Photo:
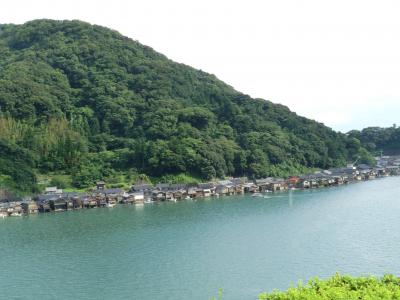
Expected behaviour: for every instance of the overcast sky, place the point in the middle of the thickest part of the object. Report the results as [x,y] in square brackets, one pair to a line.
[337,62]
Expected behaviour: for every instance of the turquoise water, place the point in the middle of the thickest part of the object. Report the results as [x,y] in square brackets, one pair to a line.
[188,250]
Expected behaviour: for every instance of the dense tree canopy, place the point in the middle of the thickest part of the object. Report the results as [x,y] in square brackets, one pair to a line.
[377,139]
[16,167]
[88,101]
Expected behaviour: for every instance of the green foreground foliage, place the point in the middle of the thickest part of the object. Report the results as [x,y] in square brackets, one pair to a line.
[85,101]
[342,288]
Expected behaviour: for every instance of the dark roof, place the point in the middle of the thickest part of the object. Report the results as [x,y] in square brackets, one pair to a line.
[320,176]
[47,197]
[60,200]
[264,180]
[177,186]
[141,187]
[309,177]
[278,180]
[208,185]
[224,182]
[110,191]
[70,195]
[392,167]
[363,167]
[162,186]
[220,186]
[240,180]
[339,171]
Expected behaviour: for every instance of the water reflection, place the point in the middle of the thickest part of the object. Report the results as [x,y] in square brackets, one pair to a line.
[290,197]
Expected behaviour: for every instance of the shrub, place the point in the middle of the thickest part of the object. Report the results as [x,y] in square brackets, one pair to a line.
[59,182]
[341,287]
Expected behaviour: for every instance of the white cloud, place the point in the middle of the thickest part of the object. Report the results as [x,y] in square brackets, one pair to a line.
[335,61]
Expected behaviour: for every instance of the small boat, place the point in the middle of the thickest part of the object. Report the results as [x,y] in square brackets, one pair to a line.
[3,215]
[110,205]
[257,195]
[16,214]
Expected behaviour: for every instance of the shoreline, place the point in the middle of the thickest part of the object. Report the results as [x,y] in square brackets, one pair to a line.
[55,200]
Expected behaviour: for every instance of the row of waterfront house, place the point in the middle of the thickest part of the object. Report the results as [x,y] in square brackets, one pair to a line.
[54,199]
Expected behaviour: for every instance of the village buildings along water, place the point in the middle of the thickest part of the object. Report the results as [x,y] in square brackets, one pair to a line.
[54,199]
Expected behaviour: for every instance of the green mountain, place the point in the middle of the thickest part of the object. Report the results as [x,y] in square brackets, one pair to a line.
[84,100]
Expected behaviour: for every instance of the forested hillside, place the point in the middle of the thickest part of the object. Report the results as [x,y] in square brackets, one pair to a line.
[379,140]
[84,100]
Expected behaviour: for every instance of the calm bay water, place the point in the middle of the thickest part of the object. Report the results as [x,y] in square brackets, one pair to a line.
[188,250]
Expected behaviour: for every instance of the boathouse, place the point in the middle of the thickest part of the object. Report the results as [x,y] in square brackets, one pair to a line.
[30,207]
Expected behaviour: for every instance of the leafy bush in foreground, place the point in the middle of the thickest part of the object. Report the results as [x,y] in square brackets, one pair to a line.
[342,288]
